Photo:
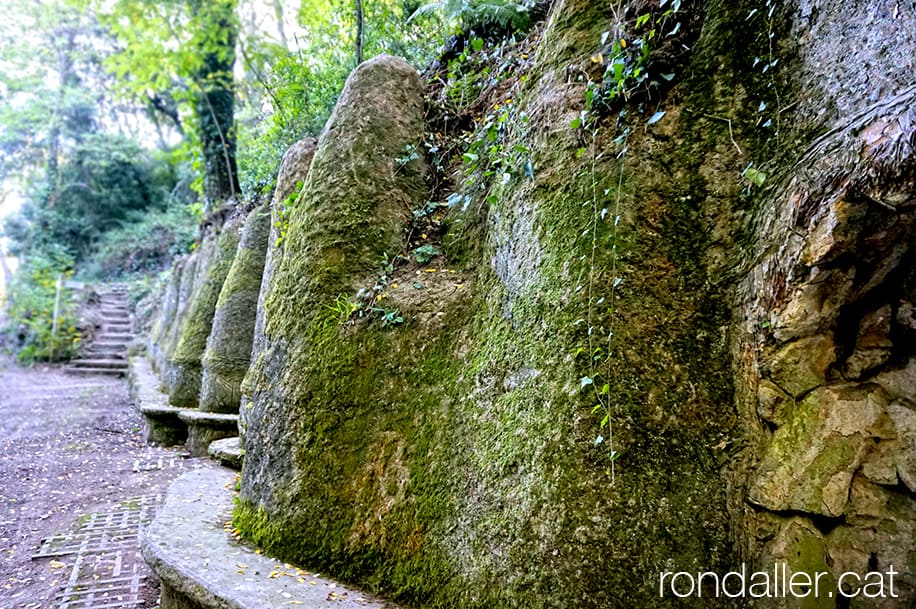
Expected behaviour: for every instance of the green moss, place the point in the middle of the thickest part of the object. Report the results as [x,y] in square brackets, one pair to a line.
[452,462]
[228,351]
[184,361]
[171,335]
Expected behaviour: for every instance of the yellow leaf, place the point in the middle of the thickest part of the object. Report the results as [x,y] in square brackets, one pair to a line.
[56,564]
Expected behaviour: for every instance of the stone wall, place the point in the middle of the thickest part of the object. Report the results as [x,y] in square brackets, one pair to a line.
[228,351]
[290,180]
[754,336]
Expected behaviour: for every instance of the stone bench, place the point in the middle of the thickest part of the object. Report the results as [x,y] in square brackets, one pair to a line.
[202,567]
[205,427]
[163,424]
[228,452]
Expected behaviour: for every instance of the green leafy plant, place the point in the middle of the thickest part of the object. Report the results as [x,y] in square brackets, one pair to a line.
[480,14]
[32,299]
[342,309]
[628,68]
[284,211]
[389,317]
[426,253]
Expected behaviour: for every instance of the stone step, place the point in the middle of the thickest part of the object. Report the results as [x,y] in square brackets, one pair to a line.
[198,562]
[121,327]
[118,364]
[96,353]
[108,342]
[228,451]
[115,314]
[205,427]
[114,336]
[95,371]
[116,346]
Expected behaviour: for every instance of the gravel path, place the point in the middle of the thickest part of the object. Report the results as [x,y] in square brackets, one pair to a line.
[71,447]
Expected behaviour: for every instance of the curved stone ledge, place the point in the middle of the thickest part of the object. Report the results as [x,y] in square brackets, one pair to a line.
[163,425]
[205,427]
[202,567]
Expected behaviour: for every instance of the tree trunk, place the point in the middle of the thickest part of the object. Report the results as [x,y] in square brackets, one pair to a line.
[214,105]
[360,34]
[281,28]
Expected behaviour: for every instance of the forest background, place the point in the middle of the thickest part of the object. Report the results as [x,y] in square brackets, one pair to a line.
[125,123]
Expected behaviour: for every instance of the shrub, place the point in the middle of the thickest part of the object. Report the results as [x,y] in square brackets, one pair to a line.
[145,246]
[32,296]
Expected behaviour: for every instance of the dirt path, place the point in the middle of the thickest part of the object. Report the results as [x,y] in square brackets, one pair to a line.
[72,446]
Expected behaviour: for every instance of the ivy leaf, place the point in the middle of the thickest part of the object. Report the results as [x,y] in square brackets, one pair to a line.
[425,253]
[755,176]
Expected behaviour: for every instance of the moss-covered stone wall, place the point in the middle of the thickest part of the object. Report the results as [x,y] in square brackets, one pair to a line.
[290,180]
[214,260]
[172,331]
[228,351]
[746,333]
[452,461]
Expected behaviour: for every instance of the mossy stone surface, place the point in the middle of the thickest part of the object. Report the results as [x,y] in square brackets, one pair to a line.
[216,256]
[172,333]
[809,465]
[291,178]
[228,351]
[451,462]
[165,314]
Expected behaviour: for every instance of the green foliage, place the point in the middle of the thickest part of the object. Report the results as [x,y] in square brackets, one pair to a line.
[628,71]
[482,15]
[426,253]
[147,245]
[106,183]
[292,89]
[284,211]
[32,296]
[626,59]
[488,152]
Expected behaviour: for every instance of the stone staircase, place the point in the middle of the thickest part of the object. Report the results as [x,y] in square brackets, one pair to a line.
[107,353]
